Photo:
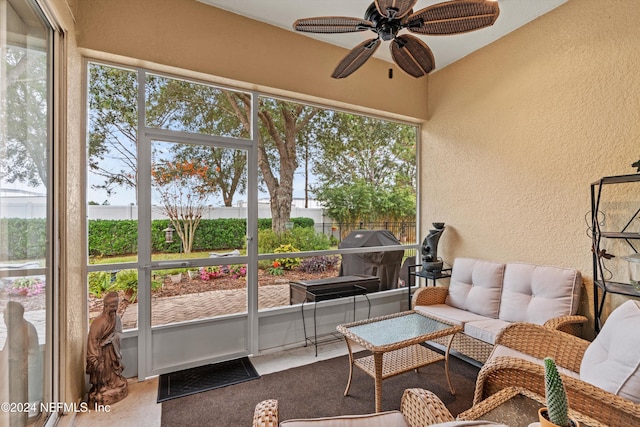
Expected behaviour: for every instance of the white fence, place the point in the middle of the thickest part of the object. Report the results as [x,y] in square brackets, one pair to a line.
[131,212]
[35,207]
[23,207]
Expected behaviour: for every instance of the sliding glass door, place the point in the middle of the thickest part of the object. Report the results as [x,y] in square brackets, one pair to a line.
[26,214]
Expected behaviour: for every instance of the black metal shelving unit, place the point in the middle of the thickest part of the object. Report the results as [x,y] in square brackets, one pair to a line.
[602,286]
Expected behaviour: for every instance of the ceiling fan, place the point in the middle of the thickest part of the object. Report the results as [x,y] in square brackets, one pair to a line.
[387,17]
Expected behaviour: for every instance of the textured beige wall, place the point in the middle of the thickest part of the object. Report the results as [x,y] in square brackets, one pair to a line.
[69,158]
[194,36]
[519,130]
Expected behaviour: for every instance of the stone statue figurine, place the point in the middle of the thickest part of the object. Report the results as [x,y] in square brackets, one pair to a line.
[429,249]
[104,360]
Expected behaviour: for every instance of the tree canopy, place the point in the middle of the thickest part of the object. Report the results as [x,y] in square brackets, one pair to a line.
[363,167]
[23,149]
[368,169]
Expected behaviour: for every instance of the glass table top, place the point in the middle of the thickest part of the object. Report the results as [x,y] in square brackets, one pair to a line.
[397,329]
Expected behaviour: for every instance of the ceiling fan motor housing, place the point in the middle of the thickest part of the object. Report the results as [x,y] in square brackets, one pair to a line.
[386,28]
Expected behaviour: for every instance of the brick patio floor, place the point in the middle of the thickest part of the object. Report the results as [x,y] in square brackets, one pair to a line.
[182,308]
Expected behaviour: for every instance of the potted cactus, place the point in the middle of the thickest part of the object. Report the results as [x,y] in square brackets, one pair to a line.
[556,413]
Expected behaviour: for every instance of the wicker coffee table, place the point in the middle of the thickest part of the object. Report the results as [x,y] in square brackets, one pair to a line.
[395,343]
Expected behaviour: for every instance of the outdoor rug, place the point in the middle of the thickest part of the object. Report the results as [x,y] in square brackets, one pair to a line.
[204,378]
[316,390]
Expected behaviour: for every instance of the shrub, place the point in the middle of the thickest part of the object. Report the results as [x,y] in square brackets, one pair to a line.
[99,283]
[268,240]
[127,281]
[319,263]
[287,263]
[275,269]
[305,239]
[236,270]
[23,238]
[208,273]
[112,237]
[27,286]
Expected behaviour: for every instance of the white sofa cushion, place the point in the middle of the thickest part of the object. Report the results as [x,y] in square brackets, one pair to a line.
[536,293]
[485,330]
[454,315]
[476,286]
[381,419]
[612,360]
[503,351]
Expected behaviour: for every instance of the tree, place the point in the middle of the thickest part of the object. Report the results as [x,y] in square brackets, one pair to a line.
[24,87]
[280,124]
[367,172]
[227,171]
[351,147]
[171,104]
[182,192]
[359,201]
[277,153]
[113,132]
[208,111]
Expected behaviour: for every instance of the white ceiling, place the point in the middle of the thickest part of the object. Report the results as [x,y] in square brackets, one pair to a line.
[446,49]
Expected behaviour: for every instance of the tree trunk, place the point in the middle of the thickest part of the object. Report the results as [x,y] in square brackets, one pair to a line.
[281,208]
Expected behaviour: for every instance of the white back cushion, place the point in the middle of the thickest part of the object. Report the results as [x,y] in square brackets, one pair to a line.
[536,293]
[611,361]
[476,286]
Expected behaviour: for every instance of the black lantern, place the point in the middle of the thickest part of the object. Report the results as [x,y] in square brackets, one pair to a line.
[168,234]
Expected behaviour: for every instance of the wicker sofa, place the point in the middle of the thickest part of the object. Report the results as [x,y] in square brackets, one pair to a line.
[484,297]
[602,378]
[418,408]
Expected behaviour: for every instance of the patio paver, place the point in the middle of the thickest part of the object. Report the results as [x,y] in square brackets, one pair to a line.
[182,308]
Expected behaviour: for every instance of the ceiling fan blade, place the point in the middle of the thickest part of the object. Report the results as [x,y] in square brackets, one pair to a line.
[453,17]
[355,58]
[412,55]
[393,9]
[332,24]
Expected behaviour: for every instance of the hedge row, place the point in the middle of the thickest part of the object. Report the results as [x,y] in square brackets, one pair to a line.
[23,239]
[120,237]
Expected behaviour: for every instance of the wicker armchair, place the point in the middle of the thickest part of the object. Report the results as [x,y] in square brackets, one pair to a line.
[419,407]
[567,350]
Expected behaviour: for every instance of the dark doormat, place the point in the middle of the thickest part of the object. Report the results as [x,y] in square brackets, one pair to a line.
[204,378]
